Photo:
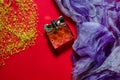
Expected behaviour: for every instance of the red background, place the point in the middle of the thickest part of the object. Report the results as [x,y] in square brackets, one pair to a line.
[39,62]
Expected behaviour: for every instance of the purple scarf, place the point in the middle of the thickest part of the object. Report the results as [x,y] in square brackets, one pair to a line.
[96,53]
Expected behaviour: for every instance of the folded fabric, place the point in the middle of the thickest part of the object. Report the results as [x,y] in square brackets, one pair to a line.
[96,53]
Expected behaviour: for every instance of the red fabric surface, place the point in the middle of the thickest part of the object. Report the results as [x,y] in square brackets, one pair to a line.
[39,62]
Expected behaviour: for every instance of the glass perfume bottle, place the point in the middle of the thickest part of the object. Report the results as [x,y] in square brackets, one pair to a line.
[59,33]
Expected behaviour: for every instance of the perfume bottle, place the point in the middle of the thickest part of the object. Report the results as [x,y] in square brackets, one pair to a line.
[59,33]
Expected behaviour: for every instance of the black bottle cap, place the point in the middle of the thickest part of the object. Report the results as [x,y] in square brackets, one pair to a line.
[54,24]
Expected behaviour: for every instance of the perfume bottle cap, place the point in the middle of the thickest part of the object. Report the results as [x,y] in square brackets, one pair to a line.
[60,20]
[54,24]
[48,27]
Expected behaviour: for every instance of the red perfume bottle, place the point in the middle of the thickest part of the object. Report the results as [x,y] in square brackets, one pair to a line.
[59,34]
